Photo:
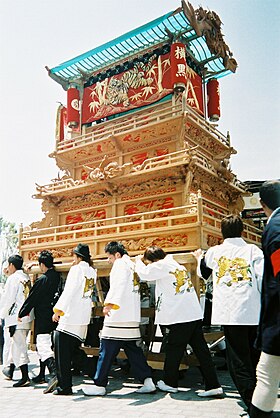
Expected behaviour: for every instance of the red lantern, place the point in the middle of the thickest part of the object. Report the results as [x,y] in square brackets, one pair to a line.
[61,118]
[178,66]
[213,105]
[73,114]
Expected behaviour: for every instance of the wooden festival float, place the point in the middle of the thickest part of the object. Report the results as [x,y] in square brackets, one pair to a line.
[139,153]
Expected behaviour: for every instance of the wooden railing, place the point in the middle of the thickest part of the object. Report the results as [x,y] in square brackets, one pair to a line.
[204,215]
[155,114]
[124,124]
[212,215]
[174,158]
[112,226]
[158,162]
[198,120]
[171,159]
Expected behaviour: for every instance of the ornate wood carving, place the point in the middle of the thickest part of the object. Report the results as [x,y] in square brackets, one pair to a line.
[153,168]
[157,185]
[84,200]
[57,253]
[213,240]
[176,240]
[106,170]
[208,23]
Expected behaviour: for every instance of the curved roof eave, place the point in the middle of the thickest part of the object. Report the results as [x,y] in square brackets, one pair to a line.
[157,32]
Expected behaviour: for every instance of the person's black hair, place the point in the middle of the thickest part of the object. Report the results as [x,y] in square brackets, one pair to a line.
[232,226]
[270,194]
[114,247]
[87,259]
[82,251]
[154,253]
[16,260]
[46,258]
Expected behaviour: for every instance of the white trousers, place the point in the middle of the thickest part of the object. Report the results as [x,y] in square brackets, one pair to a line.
[43,345]
[18,352]
[268,378]
[6,347]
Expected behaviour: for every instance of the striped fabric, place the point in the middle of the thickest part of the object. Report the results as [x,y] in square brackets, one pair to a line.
[77,331]
[121,331]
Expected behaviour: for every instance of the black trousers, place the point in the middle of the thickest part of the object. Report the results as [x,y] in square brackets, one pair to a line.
[1,341]
[64,349]
[180,335]
[242,358]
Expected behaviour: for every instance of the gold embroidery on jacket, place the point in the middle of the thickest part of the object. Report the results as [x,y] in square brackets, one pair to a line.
[89,286]
[183,281]
[26,288]
[236,270]
[136,282]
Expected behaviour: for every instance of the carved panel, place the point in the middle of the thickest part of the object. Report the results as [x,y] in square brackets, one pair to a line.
[85,217]
[213,240]
[160,130]
[199,137]
[157,142]
[85,200]
[91,149]
[149,205]
[168,184]
[56,252]
[95,159]
[176,240]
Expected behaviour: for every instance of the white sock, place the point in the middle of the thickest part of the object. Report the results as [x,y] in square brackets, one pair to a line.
[148,381]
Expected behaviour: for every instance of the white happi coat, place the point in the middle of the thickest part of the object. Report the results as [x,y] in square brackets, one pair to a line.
[237,274]
[124,319]
[123,293]
[12,299]
[177,301]
[75,301]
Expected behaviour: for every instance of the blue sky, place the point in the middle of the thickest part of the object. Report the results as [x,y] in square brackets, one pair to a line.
[47,32]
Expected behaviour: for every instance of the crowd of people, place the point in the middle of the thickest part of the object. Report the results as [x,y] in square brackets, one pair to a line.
[246,303]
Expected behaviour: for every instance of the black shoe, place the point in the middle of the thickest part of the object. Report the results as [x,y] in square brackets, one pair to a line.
[22,382]
[38,379]
[50,363]
[9,371]
[51,385]
[41,376]
[258,413]
[66,391]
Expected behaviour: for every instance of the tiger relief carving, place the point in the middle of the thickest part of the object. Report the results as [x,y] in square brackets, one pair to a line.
[117,90]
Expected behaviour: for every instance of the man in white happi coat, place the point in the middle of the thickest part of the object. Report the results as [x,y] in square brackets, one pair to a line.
[121,324]
[15,292]
[72,312]
[237,269]
[6,338]
[178,309]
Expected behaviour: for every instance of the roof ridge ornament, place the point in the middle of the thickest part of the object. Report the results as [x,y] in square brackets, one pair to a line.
[208,24]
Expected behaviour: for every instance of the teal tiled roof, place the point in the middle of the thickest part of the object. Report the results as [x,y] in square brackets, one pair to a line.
[151,35]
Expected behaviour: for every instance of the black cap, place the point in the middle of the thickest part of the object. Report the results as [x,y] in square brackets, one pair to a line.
[82,250]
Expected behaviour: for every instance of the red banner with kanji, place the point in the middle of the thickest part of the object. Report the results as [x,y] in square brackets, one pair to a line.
[144,84]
